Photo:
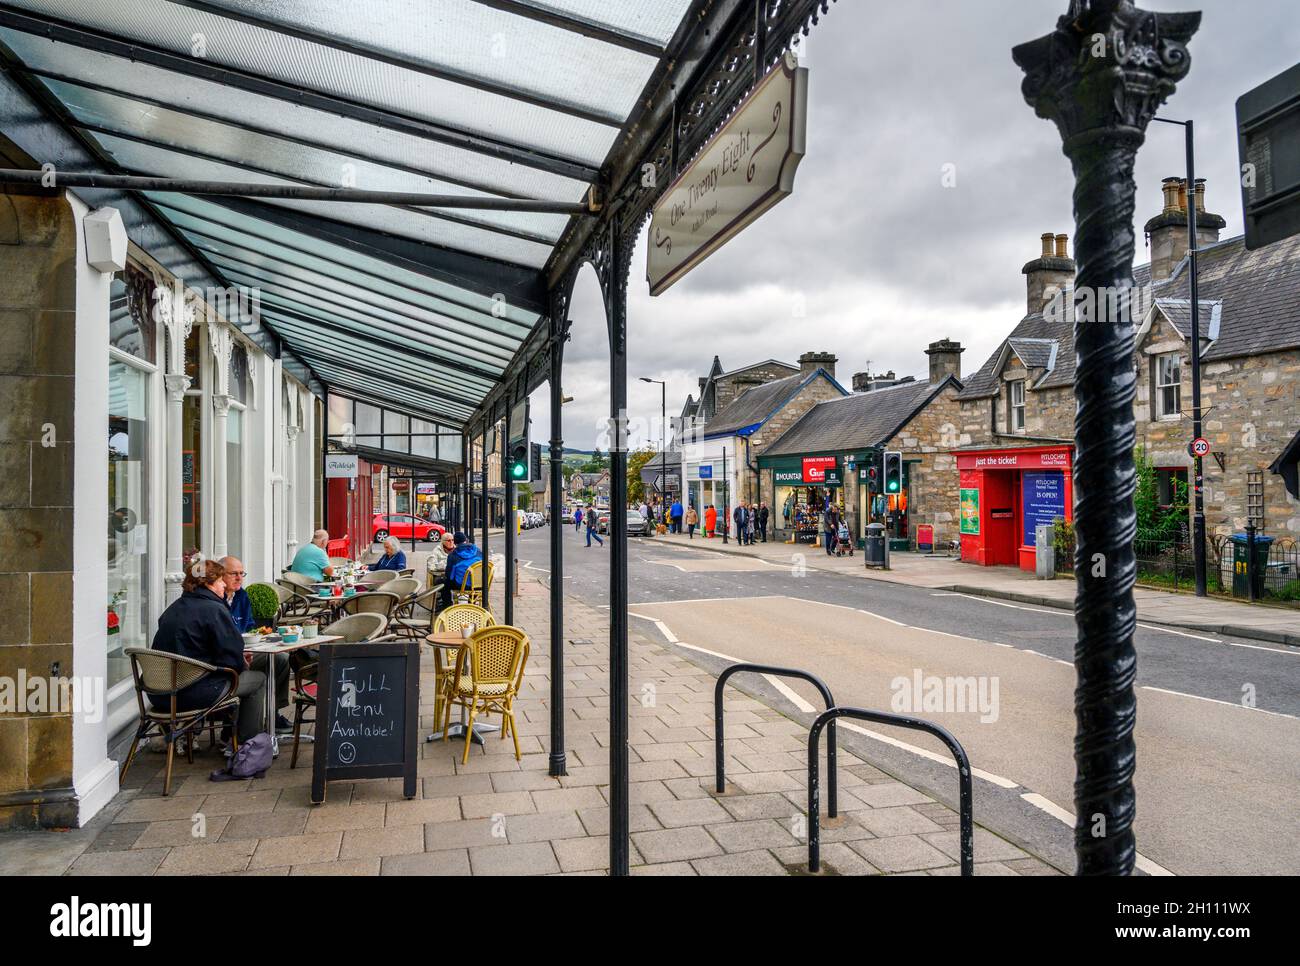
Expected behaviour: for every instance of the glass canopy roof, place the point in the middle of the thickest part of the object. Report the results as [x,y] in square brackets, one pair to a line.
[421,308]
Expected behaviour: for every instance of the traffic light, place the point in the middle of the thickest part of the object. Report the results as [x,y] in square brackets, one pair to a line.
[893,472]
[518,467]
[535,459]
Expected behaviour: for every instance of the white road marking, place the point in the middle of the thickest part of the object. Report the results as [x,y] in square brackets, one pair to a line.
[1169,630]
[926,753]
[708,600]
[1002,603]
[1230,704]
[1148,866]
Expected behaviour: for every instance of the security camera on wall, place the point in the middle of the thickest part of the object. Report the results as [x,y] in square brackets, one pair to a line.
[105,240]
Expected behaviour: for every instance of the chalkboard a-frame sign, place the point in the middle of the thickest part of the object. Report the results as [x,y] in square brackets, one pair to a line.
[367,707]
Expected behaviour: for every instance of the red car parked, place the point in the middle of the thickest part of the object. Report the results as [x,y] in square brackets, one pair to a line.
[404,526]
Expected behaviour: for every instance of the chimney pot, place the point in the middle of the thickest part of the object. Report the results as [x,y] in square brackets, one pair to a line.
[1048,238]
[1061,242]
[1170,188]
[1200,195]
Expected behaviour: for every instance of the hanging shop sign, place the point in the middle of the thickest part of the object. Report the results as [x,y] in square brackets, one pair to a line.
[341,466]
[744,169]
[706,471]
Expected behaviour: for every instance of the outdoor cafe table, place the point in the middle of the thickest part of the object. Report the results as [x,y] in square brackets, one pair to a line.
[274,648]
[452,641]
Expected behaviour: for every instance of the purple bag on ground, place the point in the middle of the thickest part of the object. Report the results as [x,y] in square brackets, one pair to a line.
[251,760]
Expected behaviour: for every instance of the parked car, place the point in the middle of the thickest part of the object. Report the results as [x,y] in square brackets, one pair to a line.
[636,523]
[405,526]
[567,517]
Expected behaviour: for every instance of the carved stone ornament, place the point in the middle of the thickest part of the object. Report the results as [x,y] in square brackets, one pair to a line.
[1108,66]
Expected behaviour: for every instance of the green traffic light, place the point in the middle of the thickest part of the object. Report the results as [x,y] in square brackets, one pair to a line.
[893,487]
[518,471]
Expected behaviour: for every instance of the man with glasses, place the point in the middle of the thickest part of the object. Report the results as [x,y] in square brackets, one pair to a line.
[241,612]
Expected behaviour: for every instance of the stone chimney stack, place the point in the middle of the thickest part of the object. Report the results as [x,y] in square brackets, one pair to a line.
[945,357]
[1167,231]
[810,362]
[1049,273]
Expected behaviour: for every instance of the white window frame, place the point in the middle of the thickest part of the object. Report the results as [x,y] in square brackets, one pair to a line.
[1160,386]
[1016,410]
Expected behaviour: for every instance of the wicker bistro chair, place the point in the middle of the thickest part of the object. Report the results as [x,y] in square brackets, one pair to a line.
[376,577]
[353,628]
[454,618]
[473,588]
[158,672]
[369,602]
[305,602]
[339,561]
[489,671]
[413,617]
[403,587]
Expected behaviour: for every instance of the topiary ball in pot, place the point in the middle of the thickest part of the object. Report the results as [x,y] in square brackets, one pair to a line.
[265,601]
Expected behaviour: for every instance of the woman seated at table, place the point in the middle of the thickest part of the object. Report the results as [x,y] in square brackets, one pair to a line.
[393,559]
[437,562]
[197,625]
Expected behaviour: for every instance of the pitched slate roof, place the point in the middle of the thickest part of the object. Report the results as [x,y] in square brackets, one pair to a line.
[857,421]
[1260,292]
[1179,314]
[1033,330]
[1035,353]
[755,405]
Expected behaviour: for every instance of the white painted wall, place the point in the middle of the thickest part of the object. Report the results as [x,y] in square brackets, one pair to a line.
[94,774]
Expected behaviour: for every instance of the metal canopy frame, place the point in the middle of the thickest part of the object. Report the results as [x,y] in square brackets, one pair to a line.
[411,301]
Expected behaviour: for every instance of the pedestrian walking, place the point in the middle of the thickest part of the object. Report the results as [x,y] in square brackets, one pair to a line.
[762,520]
[710,521]
[692,520]
[675,512]
[591,528]
[577,520]
[831,525]
[751,524]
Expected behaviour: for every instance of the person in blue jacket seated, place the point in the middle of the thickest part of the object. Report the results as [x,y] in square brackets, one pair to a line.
[459,561]
[393,559]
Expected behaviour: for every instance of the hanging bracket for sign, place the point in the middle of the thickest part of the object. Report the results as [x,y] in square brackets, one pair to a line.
[743,170]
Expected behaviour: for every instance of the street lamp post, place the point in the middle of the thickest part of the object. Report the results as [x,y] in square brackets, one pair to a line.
[663,421]
[1101,76]
[1198,482]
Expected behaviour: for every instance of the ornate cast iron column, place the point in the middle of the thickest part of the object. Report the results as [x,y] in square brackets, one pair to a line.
[1100,76]
[559,334]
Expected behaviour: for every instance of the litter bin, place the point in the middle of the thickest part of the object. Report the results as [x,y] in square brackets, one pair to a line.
[1240,556]
[874,550]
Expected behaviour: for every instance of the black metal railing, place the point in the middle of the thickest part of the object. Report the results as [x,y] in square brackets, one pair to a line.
[1169,561]
[720,766]
[827,718]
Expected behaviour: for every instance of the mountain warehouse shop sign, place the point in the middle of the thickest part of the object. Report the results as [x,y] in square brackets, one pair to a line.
[745,169]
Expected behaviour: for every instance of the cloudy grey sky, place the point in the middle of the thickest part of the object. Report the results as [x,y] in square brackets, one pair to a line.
[882,258]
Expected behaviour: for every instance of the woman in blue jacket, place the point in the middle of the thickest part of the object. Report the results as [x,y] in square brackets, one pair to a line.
[394,557]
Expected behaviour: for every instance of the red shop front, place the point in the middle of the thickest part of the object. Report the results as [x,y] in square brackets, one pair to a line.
[1005,494]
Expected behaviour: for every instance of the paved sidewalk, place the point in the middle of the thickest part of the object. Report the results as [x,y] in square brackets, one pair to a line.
[496,816]
[1214,615]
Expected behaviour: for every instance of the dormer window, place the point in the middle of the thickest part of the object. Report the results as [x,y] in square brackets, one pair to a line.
[1168,385]
[1016,406]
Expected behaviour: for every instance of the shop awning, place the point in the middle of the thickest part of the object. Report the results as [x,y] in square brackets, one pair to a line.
[415,306]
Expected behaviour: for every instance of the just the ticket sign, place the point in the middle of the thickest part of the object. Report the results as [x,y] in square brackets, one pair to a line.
[745,169]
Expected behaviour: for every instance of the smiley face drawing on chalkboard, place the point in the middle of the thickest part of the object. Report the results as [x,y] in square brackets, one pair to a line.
[347,753]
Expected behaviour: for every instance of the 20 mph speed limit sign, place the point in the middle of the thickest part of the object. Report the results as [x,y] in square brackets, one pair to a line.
[1200,446]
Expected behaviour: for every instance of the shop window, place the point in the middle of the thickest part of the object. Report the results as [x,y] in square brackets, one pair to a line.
[239,374]
[130,317]
[1016,406]
[129,617]
[1168,385]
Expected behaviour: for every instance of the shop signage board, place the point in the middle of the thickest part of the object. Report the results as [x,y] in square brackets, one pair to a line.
[706,472]
[744,169]
[970,511]
[815,469]
[787,477]
[341,466]
[1014,460]
[1043,499]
